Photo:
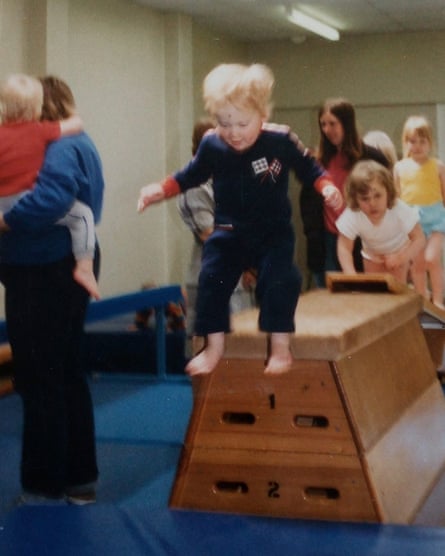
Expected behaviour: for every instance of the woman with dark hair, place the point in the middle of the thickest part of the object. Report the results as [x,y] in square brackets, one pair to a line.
[339,149]
[24,137]
[45,312]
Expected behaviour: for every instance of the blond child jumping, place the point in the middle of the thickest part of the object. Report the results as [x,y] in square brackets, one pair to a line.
[420,179]
[249,162]
[389,229]
[23,141]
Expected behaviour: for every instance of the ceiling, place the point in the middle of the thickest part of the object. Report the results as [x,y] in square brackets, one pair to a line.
[258,20]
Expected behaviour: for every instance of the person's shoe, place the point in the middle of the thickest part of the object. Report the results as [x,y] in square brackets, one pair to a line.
[81,495]
[82,499]
[33,499]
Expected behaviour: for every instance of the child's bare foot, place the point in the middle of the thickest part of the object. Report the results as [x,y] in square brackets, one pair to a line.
[280,360]
[209,357]
[201,364]
[278,365]
[85,277]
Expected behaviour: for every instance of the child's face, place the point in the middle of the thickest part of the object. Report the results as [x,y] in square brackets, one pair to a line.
[238,127]
[374,203]
[332,128]
[419,147]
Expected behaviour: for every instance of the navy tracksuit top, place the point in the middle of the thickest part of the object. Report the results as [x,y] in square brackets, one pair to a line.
[252,225]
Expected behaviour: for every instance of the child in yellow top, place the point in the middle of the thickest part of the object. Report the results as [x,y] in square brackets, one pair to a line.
[420,179]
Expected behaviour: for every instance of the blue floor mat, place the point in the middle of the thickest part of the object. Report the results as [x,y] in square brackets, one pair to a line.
[140,428]
[105,530]
[152,412]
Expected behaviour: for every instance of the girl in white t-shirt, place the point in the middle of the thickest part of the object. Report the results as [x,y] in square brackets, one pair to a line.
[389,229]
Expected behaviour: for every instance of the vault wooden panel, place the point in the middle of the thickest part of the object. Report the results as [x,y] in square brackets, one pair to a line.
[275,483]
[354,431]
[300,411]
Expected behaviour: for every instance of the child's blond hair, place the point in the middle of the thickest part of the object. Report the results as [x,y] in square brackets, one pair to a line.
[243,86]
[21,98]
[381,141]
[360,179]
[416,125]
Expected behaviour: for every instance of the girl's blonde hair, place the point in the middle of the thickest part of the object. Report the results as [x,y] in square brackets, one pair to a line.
[243,86]
[360,180]
[381,141]
[416,125]
[21,98]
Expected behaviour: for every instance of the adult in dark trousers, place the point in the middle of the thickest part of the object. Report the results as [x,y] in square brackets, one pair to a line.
[45,313]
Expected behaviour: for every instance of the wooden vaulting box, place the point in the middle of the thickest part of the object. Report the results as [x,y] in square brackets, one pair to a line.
[353,432]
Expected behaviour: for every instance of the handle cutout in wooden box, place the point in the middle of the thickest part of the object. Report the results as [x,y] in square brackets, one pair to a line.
[338,282]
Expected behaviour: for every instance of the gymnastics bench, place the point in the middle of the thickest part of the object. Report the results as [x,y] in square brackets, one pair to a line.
[108,308]
[156,298]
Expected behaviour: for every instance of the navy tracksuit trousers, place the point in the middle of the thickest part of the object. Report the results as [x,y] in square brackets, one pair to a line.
[226,254]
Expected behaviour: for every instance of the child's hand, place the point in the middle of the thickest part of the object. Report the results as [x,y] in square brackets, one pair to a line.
[151,193]
[248,279]
[333,198]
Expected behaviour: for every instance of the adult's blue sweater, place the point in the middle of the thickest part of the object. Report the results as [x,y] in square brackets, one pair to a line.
[72,170]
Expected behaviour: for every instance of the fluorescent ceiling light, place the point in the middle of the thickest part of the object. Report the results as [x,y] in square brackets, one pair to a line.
[311,24]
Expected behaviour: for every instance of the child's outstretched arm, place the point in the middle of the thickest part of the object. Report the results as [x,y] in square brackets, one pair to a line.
[344,253]
[332,197]
[71,126]
[156,192]
[149,194]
